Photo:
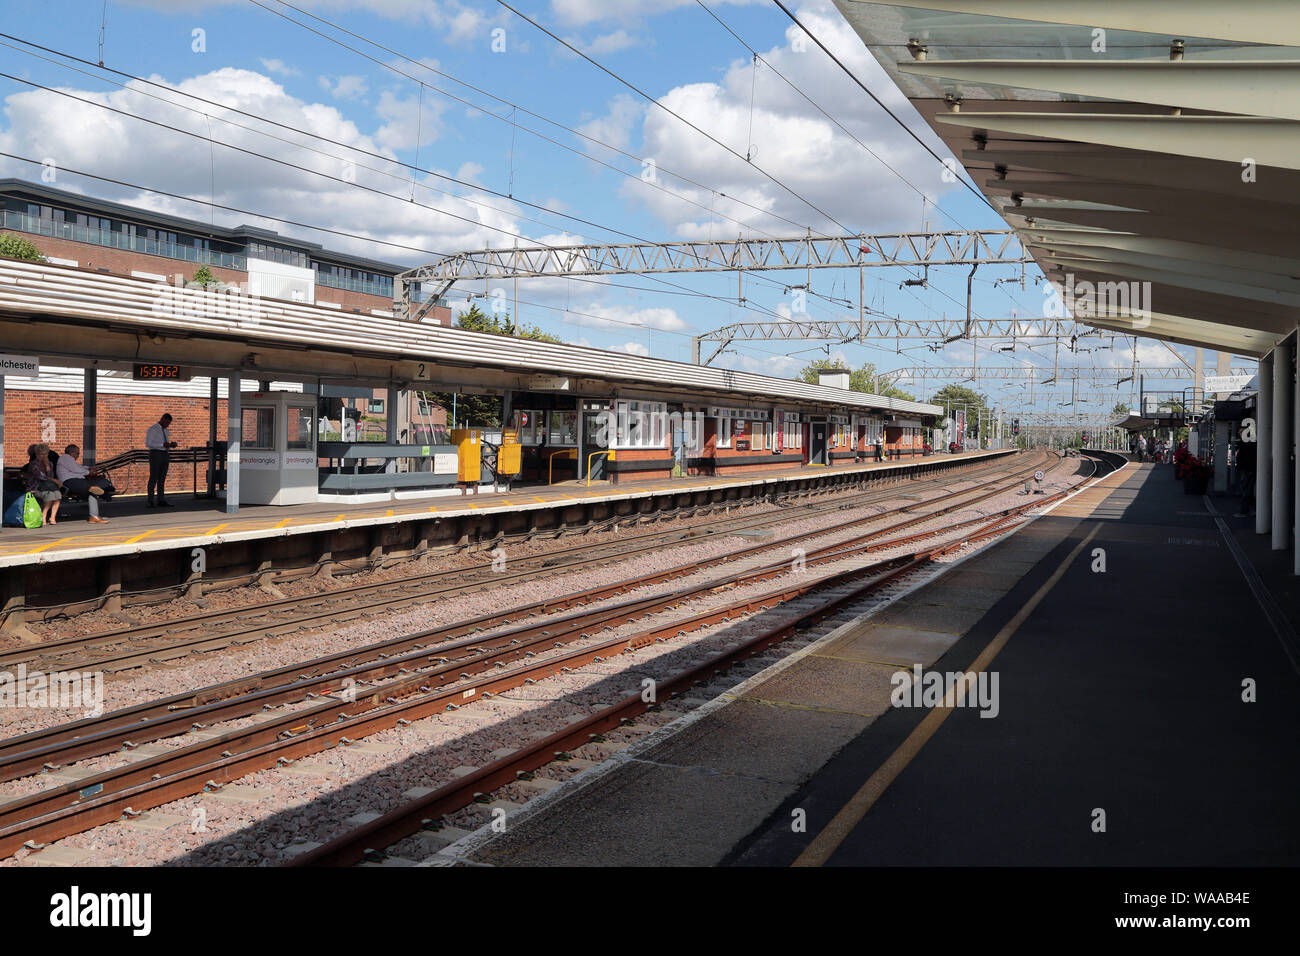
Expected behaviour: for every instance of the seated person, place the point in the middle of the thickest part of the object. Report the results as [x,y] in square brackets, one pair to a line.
[85,482]
[38,477]
[82,480]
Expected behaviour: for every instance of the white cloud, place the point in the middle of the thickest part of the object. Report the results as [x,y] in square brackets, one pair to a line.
[580,12]
[279,67]
[456,22]
[606,316]
[786,138]
[348,87]
[778,366]
[632,348]
[408,120]
[605,43]
[615,127]
[40,124]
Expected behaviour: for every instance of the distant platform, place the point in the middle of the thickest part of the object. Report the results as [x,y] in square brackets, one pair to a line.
[137,529]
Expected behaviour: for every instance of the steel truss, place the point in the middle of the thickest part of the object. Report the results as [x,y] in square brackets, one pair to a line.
[961,247]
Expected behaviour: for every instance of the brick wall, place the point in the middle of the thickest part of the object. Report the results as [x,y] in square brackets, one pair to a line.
[56,419]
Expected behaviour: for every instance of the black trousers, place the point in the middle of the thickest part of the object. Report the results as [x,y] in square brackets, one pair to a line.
[82,486]
[159,459]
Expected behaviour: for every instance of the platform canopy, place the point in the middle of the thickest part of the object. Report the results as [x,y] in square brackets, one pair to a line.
[1124,145]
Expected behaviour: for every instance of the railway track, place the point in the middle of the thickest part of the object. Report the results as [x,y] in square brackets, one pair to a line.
[370,841]
[134,647]
[404,679]
[686,512]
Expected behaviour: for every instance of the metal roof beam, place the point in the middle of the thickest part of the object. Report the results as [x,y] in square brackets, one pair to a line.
[1202,176]
[1269,142]
[1256,87]
[1247,21]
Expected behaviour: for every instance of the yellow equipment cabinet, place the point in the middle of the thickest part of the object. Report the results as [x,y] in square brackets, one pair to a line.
[469,453]
[509,455]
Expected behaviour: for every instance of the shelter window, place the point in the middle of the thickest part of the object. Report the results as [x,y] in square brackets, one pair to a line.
[299,426]
[258,429]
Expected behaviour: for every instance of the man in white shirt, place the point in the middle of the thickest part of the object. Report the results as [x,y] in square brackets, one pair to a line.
[159,443]
[83,481]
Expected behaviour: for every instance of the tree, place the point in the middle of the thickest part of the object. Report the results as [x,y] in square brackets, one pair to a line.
[203,277]
[479,411]
[476,320]
[1119,409]
[860,380]
[955,396]
[16,247]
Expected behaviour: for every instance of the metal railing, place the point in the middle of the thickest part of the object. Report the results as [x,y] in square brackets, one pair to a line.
[122,240]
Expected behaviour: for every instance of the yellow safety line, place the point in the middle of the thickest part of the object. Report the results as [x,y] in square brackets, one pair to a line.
[280,525]
[138,537]
[49,545]
[217,528]
[850,815]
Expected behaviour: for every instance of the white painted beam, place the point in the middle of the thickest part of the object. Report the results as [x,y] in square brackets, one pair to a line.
[1252,87]
[1249,21]
[1232,139]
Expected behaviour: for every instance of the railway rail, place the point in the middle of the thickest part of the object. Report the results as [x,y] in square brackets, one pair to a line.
[138,646]
[420,680]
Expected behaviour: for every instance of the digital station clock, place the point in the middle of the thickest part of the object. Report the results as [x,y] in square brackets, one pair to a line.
[148,372]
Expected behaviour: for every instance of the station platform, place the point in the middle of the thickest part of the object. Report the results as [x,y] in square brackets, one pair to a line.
[1118,733]
[136,529]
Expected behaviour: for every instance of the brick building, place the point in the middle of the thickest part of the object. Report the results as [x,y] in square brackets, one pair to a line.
[95,235]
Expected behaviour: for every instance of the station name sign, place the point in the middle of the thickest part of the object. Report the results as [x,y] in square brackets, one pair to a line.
[26,365]
[1226,383]
[548,383]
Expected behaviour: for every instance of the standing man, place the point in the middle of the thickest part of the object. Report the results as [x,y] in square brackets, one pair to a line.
[159,443]
[1246,475]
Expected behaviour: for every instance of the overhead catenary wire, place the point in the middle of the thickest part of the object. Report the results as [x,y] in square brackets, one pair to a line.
[879,102]
[514,106]
[352,148]
[342,181]
[325,229]
[677,116]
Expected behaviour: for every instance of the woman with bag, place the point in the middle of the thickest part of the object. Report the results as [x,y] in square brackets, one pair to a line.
[39,475]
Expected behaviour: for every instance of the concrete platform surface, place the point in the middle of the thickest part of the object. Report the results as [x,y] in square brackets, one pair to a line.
[1121,735]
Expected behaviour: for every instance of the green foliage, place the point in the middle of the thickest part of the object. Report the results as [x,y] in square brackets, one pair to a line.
[476,320]
[860,379]
[484,410]
[1119,409]
[16,247]
[955,396]
[203,276]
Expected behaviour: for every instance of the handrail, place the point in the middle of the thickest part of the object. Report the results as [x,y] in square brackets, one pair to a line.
[591,456]
[550,462]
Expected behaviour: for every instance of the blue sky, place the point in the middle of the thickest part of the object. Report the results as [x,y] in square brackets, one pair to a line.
[239,54]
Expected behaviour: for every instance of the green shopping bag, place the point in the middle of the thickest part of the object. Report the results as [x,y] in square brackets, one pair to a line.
[31,512]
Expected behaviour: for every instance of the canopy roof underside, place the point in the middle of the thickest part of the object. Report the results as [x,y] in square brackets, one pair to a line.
[1140,161]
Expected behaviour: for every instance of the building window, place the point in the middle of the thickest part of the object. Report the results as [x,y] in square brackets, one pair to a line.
[564,428]
[639,424]
[375,406]
[530,424]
